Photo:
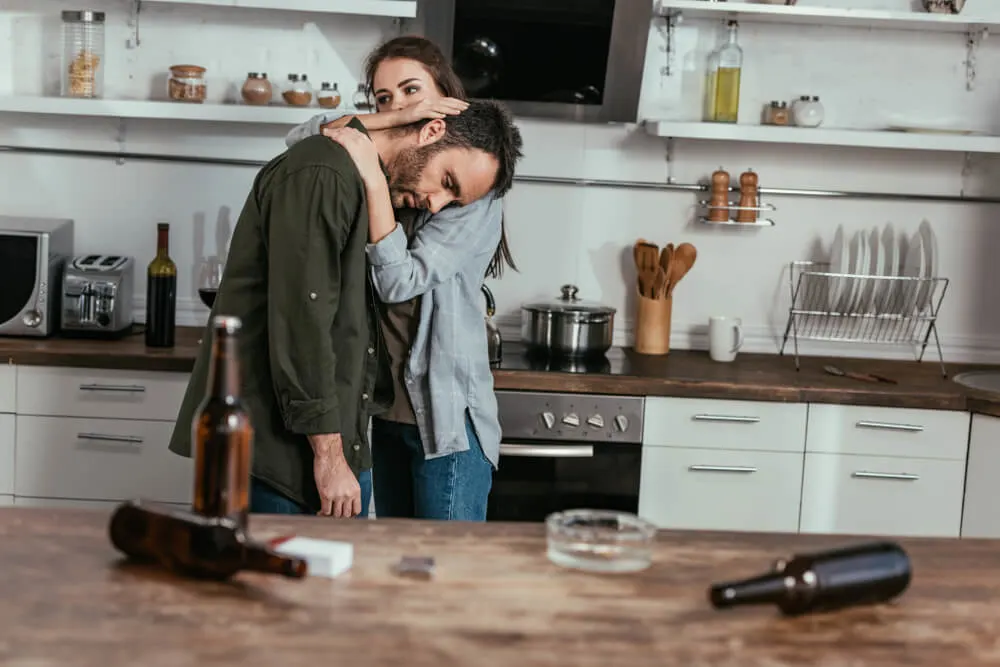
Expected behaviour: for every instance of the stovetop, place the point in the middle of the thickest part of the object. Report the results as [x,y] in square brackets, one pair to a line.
[517,358]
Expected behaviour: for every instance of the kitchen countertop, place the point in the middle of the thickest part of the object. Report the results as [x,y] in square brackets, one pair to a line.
[682,373]
[495,600]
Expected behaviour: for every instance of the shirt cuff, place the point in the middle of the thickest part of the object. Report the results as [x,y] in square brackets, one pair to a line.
[312,417]
[390,250]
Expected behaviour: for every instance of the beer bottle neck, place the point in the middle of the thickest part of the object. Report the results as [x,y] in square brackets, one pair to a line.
[224,379]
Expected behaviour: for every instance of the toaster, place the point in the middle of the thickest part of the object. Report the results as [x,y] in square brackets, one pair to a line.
[97,296]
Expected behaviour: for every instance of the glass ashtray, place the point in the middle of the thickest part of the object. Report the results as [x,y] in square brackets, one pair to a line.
[600,540]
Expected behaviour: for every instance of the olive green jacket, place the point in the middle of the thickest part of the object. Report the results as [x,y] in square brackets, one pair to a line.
[310,348]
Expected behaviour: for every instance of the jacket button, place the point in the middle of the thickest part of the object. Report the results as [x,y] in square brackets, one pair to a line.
[312,296]
[364,397]
[357,447]
[371,350]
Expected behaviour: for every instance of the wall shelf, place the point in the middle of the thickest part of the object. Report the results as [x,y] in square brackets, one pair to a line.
[923,141]
[858,18]
[154,110]
[392,8]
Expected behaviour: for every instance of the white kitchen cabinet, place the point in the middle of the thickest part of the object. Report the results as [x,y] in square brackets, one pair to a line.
[102,394]
[7,445]
[8,389]
[884,471]
[716,489]
[6,501]
[981,517]
[722,465]
[99,459]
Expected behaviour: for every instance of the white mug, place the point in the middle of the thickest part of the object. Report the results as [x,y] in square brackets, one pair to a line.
[725,337]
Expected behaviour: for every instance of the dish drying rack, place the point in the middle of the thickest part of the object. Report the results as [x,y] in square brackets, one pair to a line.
[858,308]
[762,209]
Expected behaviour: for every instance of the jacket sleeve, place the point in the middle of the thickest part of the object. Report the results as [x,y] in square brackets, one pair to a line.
[312,126]
[307,219]
[443,245]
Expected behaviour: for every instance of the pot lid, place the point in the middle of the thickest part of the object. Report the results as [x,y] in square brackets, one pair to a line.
[568,302]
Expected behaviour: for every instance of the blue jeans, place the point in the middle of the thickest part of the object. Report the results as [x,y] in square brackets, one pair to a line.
[408,485]
[264,499]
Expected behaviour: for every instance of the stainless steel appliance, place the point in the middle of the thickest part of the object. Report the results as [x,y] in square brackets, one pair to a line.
[566,451]
[494,340]
[97,295]
[568,326]
[573,59]
[33,253]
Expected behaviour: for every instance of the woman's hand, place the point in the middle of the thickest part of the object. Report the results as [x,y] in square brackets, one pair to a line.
[431,109]
[362,150]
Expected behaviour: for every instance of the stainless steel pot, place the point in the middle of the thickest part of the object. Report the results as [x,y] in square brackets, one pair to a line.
[568,326]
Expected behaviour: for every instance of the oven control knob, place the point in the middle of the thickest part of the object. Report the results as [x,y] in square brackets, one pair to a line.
[32,318]
[571,419]
[621,423]
[597,421]
[548,419]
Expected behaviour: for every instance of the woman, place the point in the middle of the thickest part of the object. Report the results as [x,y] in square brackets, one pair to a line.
[435,451]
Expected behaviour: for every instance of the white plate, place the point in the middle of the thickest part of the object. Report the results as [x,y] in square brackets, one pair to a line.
[930,265]
[876,267]
[890,248]
[859,267]
[840,258]
[914,266]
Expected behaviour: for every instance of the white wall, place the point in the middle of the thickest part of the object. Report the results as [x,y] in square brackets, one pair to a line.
[559,234]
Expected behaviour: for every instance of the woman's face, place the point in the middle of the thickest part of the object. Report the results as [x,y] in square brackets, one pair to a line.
[400,83]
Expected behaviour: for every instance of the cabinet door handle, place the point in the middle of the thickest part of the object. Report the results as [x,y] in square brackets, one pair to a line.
[123,388]
[900,476]
[548,451]
[101,437]
[889,426]
[726,418]
[740,469]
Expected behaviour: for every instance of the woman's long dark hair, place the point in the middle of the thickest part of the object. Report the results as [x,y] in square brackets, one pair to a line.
[430,56]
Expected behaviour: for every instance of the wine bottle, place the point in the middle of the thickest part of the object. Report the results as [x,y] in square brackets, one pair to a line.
[869,573]
[194,545]
[161,292]
[221,432]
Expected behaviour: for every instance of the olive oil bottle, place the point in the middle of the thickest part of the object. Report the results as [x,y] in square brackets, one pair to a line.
[727,78]
[161,293]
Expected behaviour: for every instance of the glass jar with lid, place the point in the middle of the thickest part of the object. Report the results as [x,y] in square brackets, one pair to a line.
[328,96]
[297,93]
[257,89]
[360,99]
[83,54]
[186,83]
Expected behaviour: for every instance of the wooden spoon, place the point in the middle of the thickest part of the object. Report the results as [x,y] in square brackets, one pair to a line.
[666,259]
[646,255]
[684,258]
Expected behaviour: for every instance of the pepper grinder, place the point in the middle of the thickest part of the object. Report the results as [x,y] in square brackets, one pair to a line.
[718,205]
[747,211]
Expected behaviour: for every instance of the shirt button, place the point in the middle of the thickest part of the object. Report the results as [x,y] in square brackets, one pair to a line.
[364,397]
[371,350]
[312,296]
[357,447]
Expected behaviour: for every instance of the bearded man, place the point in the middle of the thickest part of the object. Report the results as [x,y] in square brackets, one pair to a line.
[313,364]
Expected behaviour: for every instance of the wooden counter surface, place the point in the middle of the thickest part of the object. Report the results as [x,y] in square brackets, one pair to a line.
[495,600]
[683,373]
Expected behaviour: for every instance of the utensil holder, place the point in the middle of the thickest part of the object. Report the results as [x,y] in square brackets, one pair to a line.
[652,325]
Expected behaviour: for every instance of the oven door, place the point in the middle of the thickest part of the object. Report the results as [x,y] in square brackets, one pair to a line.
[571,59]
[536,478]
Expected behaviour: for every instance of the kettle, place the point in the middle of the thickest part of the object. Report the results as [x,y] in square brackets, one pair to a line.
[494,341]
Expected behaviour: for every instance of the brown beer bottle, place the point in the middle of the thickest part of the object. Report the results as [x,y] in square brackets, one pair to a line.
[194,545]
[221,433]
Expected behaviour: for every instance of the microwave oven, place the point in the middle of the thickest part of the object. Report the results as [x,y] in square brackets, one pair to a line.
[569,59]
[33,254]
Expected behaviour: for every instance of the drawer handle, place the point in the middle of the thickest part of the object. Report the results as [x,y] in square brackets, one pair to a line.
[900,476]
[124,388]
[739,469]
[889,426]
[726,418]
[548,451]
[130,439]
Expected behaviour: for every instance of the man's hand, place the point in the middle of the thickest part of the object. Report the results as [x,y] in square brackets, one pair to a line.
[339,491]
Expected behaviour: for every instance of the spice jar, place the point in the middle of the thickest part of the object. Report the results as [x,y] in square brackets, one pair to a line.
[83,52]
[187,83]
[776,113]
[360,99]
[296,92]
[257,89]
[808,111]
[328,97]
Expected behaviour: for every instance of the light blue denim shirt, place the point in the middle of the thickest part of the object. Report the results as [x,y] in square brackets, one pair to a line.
[448,370]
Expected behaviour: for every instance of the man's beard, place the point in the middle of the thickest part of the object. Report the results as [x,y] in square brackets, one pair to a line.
[404,176]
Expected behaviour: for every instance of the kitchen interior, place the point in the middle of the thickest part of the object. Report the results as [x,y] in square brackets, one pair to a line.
[754,245]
